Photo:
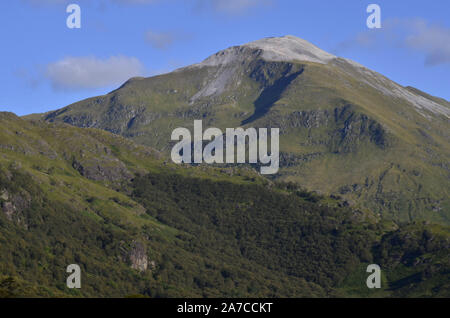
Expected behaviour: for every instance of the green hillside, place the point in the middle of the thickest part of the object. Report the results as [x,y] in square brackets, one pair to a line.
[139,225]
[345,130]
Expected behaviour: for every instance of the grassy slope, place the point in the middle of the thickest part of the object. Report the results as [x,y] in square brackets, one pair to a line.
[341,136]
[210,231]
[54,205]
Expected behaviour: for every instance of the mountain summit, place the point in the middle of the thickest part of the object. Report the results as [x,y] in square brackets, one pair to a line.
[344,129]
[279,49]
[293,49]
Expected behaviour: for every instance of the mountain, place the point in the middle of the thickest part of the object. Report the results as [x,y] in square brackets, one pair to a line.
[138,225]
[344,129]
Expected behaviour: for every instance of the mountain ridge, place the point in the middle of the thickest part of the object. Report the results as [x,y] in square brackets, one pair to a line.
[138,225]
[344,129]
[290,48]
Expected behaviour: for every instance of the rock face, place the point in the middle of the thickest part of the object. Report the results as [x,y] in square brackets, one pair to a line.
[283,49]
[340,123]
[138,257]
[13,205]
[110,170]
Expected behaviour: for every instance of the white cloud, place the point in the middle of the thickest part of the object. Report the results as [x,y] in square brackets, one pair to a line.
[46,2]
[236,6]
[432,40]
[414,34]
[136,1]
[163,40]
[103,2]
[160,40]
[231,7]
[73,73]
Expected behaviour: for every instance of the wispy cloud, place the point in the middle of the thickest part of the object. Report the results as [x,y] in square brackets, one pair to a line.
[136,1]
[414,34]
[46,2]
[432,40]
[163,40]
[100,2]
[231,7]
[228,7]
[223,6]
[237,6]
[31,77]
[75,73]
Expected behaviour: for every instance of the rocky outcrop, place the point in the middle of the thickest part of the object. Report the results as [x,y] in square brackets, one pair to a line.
[13,205]
[289,159]
[342,129]
[138,257]
[354,129]
[94,169]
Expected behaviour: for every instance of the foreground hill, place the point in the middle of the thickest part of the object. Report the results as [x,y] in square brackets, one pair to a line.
[345,130]
[139,225]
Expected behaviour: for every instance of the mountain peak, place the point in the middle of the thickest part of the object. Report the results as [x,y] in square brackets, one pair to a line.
[279,49]
[290,48]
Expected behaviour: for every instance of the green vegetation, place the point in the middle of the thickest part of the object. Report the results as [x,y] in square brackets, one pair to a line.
[364,179]
[138,225]
[294,233]
[345,130]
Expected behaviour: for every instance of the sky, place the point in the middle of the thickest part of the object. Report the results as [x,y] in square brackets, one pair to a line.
[45,65]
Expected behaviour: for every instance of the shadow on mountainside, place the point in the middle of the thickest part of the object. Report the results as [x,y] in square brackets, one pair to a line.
[270,95]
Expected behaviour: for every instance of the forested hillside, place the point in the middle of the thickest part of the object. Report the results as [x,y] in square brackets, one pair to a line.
[138,225]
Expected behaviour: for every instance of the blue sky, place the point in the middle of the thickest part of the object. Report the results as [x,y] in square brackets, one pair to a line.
[45,65]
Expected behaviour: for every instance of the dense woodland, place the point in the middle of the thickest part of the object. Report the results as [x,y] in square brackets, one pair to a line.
[216,239]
